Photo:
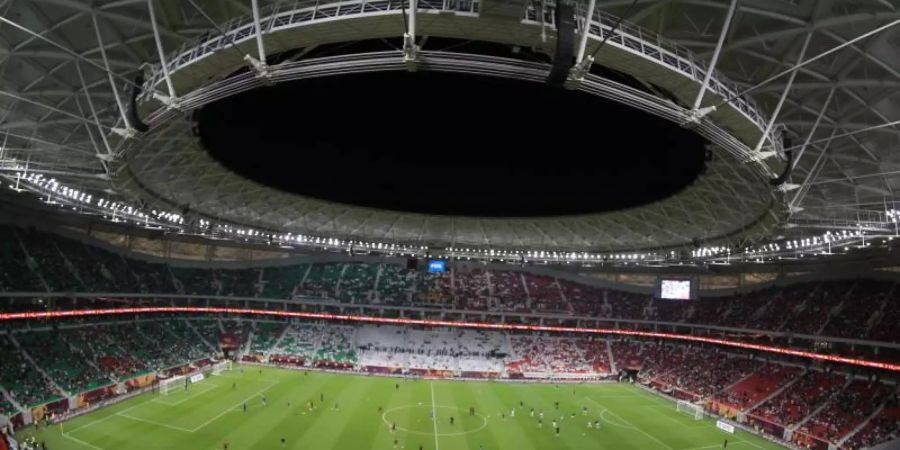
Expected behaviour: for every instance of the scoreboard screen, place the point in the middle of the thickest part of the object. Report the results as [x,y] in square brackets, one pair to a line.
[676,289]
[437,266]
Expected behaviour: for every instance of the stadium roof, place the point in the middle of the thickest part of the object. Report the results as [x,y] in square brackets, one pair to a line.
[61,118]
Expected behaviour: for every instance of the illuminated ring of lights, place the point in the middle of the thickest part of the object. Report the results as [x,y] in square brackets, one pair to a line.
[445,323]
[423,433]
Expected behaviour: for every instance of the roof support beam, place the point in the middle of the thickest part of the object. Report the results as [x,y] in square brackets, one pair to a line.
[809,61]
[410,49]
[112,82]
[44,105]
[811,175]
[784,93]
[93,110]
[162,54]
[815,126]
[585,30]
[64,48]
[260,48]
[715,58]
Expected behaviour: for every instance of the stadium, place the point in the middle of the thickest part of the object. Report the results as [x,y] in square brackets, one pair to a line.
[449,224]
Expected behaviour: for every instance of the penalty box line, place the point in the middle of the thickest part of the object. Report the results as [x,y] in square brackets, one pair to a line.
[208,387]
[229,409]
[103,419]
[632,425]
[83,443]
[197,428]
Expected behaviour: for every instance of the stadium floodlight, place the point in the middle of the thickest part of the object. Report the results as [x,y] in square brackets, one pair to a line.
[690,408]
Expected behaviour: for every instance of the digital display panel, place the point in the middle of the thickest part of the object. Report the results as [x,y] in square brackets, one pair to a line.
[675,289]
[437,266]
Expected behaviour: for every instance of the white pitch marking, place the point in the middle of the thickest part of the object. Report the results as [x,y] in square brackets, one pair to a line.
[434,416]
[713,446]
[153,422]
[633,426]
[86,444]
[104,419]
[209,387]
[217,416]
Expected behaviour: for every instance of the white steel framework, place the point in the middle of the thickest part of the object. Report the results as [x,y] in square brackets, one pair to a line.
[842,101]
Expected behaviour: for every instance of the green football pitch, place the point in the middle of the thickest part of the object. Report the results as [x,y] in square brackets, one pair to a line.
[357,412]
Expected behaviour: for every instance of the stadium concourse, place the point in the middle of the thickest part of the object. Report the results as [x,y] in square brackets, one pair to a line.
[54,368]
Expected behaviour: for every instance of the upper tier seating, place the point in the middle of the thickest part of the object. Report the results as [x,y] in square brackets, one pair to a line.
[33,261]
[764,382]
[63,360]
[846,410]
[801,398]
[883,427]
[22,380]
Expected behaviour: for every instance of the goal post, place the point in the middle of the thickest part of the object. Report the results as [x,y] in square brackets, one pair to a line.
[167,385]
[690,409]
[221,366]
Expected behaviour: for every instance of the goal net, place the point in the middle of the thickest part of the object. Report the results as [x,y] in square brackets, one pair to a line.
[220,367]
[690,408]
[167,385]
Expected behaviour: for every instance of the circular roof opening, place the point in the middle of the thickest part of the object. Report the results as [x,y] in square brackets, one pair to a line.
[450,144]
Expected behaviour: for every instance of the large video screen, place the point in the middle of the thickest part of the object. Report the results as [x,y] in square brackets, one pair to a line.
[675,289]
[437,266]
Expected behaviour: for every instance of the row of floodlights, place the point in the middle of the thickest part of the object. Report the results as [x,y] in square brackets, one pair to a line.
[704,252]
[52,186]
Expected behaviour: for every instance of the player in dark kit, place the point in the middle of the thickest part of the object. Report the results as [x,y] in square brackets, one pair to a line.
[451,420]
[283,441]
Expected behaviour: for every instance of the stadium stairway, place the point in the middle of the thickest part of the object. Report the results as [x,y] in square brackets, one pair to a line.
[612,361]
[246,349]
[277,342]
[819,408]
[773,394]
[862,425]
[36,366]
[200,336]
[31,262]
[840,443]
[726,388]
[10,400]
[562,295]
[89,360]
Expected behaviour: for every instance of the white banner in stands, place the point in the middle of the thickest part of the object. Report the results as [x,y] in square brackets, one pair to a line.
[196,377]
[725,426]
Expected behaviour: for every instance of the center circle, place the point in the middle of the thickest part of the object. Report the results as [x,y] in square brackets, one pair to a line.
[450,144]
[417,419]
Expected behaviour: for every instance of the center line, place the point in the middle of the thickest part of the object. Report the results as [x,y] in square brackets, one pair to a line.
[434,416]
